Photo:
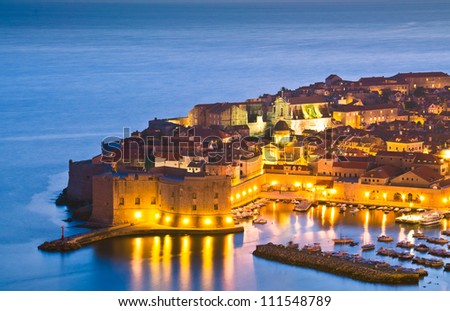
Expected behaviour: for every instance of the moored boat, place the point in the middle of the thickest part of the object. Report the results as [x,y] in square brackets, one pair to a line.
[367,247]
[439,252]
[387,252]
[430,219]
[418,234]
[405,244]
[445,232]
[384,238]
[408,219]
[260,221]
[405,255]
[343,241]
[418,260]
[436,240]
[314,247]
[434,263]
[423,248]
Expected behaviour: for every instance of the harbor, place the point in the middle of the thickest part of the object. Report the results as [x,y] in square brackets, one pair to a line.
[364,234]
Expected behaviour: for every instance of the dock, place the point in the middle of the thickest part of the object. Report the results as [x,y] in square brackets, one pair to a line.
[351,266]
[303,206]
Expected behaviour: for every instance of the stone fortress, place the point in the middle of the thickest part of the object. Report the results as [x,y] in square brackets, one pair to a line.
[369,141]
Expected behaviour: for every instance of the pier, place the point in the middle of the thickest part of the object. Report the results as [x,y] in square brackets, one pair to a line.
[74,242]
[349,266]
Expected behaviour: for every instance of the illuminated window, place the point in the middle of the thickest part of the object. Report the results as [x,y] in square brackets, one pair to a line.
[153,200]
[194,207]
[121,201]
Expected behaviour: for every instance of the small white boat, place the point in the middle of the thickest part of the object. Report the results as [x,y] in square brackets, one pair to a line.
[259,221]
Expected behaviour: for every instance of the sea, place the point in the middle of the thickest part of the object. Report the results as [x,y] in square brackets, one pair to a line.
[72,74]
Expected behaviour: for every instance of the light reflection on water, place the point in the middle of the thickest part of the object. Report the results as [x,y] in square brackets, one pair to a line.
[225,262]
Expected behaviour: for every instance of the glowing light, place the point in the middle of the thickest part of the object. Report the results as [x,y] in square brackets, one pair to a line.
[238,196]
[403,197]
[231,199]
[445,154]
[208,221]
[367,194]
[186,221]
[273,183]
[324,193]
[244,193]
[249,190]
[297,184]
[385,195]
[255,188]
[421,198]
[445,200]
[157,215]
[309,185]
[333,191]
[138,215]
[228,220]
[168,219]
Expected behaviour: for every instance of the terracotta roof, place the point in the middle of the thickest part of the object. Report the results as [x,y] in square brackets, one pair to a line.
[306,100]
[420,75]
[379,81]
[444,183]
[385,171]
[351,107]
[427,173]
[424,158]
[352,165]
[197,163]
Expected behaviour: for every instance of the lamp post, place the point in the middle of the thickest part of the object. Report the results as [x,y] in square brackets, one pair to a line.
[62,233]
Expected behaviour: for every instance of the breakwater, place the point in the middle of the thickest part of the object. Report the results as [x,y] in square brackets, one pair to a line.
[74,242]
[351,266]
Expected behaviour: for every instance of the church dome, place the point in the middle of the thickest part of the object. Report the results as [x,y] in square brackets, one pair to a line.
[281,126]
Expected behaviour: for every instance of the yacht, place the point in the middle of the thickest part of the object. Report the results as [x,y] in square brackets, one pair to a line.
[429,219]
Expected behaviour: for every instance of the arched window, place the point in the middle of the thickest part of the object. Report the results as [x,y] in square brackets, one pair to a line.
[410,197]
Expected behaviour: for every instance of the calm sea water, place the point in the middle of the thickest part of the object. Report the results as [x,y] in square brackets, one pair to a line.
[71,74]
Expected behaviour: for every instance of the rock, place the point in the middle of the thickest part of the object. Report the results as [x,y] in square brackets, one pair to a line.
[59,246]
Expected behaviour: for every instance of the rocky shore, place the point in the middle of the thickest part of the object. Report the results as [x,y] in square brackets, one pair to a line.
[351,266]
[59,246]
